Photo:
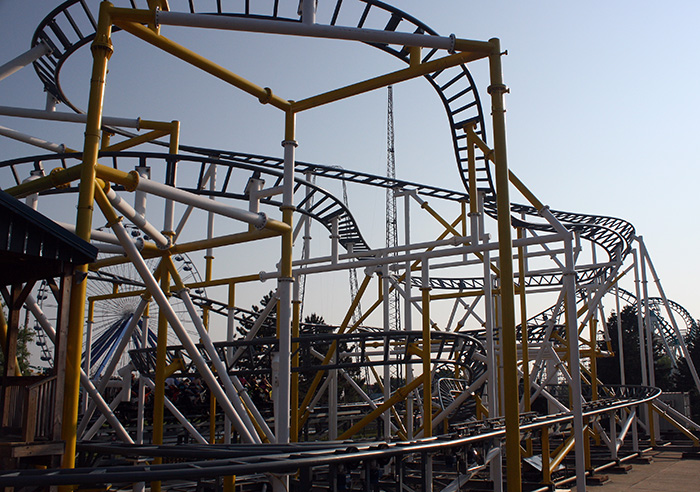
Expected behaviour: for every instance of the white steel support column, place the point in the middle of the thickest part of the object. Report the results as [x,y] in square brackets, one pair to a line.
[176,324]
[569,281]
[496,466]
[676,331]
[407,318]
[620,339]
[640,320]
[653,418]
[574,364]
[84,380]
[386,285]
[23,60]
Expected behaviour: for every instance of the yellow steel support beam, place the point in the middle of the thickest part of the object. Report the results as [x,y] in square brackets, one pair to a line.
[3,339]
[427,379]
[491,154]
[384,80]
[497,89]
[398,395]
[101,51]
[401,431]
[57,178]
[264,95]
[134,141]
[304,407]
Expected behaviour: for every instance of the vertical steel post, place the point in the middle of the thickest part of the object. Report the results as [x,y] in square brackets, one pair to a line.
[497,89]
[284,288]
[101,52]
[408,321]
[427,379]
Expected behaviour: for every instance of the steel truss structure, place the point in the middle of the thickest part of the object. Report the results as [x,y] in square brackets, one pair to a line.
[472,373]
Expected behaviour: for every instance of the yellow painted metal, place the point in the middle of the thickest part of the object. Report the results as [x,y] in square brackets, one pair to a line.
[106,137]
[384,80]
[546,465]
[159,390]
[101,52]
[264,95]
[415,55]
[134,141]
[562,451]
[128,180]
[471,164]
[401,431]
[457,295]
[491,154]
[173,367]
[677,425]
[3,340]
[652,424]
[427,379]
[497,89]
[304,407]
[425,206]
[57,178]
[587,448]
[398,395]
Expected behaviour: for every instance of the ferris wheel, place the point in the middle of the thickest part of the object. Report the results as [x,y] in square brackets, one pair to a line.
[116,314]
[115,293]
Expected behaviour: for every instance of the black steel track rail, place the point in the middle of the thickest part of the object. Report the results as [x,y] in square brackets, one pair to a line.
[247,460]
[355,350]
[72,25]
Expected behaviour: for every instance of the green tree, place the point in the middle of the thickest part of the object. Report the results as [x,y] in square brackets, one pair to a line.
[683,379]
[24,337]
[609,367]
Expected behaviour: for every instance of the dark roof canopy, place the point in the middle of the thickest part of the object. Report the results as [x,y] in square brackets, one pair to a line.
[33,246]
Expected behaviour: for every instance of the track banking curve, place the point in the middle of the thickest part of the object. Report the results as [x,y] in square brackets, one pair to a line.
[71,26]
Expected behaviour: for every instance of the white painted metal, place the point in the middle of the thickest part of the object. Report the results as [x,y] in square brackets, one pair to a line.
[180,331]
[29,139]
[171,193]
[300,29]
[23,60]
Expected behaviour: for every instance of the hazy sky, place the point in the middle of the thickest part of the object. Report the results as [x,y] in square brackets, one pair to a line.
[602,110]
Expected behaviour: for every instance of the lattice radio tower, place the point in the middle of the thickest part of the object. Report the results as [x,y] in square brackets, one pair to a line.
[391,226]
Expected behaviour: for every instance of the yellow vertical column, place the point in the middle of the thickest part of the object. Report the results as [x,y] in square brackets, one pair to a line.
[161,355]
[427,380]
[497,89]
[101,52]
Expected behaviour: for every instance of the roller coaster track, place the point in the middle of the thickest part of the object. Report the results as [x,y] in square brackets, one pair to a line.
[463,353]
[72,25]
[245,460]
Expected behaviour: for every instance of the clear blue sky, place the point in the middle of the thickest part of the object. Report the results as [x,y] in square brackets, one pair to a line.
[602,113]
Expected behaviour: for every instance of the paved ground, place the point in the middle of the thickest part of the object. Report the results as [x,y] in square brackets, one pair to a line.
[668,472]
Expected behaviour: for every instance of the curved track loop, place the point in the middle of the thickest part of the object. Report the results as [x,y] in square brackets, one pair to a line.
[72,25]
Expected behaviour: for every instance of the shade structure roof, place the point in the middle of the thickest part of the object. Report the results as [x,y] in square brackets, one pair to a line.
[33,247]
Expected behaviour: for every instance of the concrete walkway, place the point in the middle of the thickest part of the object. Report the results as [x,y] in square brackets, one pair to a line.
[668,472]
